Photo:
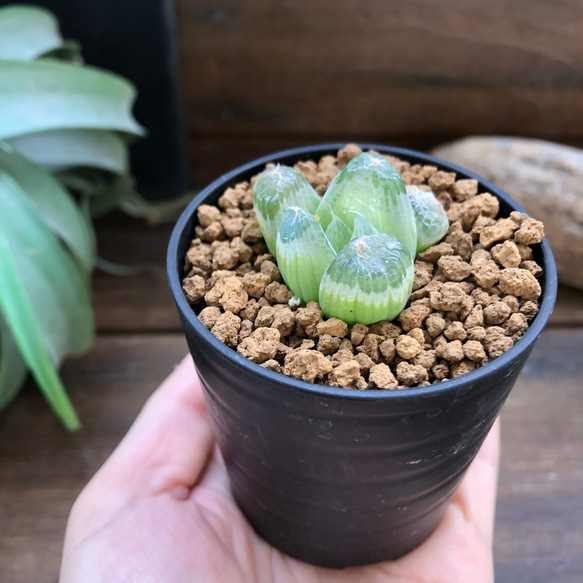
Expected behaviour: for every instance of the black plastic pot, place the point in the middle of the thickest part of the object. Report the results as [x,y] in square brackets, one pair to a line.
[339,477]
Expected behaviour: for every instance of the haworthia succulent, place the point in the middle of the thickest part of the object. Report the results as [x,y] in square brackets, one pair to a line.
[369,280]
[276,189]
[372,186]
[303,252]
[359,245]
[430,217]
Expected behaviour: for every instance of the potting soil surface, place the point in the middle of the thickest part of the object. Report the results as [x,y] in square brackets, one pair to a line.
[474,294]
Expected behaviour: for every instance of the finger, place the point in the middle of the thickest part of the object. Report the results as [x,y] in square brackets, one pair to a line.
[476,496]
[168,445]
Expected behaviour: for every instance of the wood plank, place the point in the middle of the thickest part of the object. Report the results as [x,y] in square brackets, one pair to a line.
[540,511]
[42,469]
[255,68]
[211,156]
[135,302]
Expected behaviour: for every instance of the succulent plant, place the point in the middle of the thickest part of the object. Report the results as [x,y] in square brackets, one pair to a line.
[369,280]
[352,250]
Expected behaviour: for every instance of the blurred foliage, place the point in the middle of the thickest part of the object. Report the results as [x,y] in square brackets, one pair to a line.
[65,129]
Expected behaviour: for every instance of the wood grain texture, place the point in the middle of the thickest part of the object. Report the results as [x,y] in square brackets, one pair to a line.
[210,156]
[259,69]
[42,469]
[137,303]
[538,532]
[373,66]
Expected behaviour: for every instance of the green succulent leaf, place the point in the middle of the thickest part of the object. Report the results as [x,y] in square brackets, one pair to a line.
[54,203]
[362,226]
[369,280]
[372,186]
[12,367]
[46,94]
[276,189]
[303,252]
[338,233]
[430,217]
[59,150]
[26,32]
[44,297]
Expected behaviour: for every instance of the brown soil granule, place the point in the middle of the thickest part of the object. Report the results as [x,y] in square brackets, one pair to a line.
[346,375]
[474,293]
[260,345]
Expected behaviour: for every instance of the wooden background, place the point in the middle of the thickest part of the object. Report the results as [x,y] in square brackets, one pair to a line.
[264,75]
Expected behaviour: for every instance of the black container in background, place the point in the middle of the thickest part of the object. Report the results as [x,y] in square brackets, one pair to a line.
[138,40]
[339,477]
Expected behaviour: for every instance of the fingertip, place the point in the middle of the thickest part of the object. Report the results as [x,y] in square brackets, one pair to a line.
[182,384]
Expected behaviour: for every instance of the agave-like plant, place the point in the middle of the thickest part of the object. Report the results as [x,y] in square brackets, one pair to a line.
[64,127]
[352,250]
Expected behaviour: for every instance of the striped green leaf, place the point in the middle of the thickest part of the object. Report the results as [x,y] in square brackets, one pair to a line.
[430,217]
[369,280]
[303,252]
[362,226]
[338,233]
[276,189]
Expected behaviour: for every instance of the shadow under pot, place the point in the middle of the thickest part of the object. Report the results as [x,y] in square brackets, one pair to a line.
[339,477]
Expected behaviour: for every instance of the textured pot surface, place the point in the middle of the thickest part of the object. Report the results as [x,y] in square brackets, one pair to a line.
[340,477]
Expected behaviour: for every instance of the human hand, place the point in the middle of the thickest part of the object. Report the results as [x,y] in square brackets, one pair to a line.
[160,510]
